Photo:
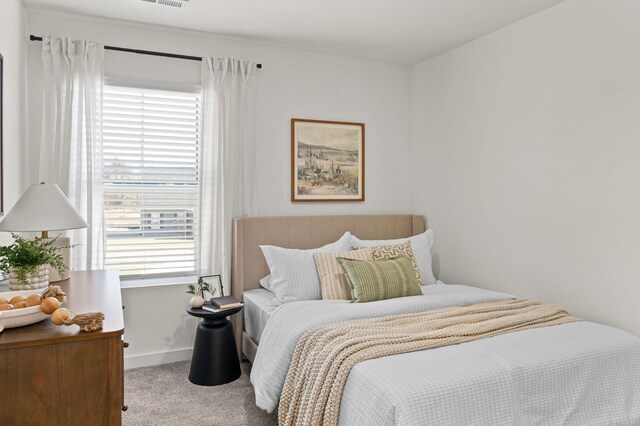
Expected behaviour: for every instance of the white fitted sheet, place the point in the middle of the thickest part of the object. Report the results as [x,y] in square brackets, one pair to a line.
[257,311]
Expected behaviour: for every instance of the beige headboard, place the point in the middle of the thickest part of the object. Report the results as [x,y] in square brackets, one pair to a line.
[302,232]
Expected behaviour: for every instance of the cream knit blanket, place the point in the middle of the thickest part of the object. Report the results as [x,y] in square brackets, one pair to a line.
[325,355]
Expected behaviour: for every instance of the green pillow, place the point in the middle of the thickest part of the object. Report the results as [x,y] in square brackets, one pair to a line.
[379,280]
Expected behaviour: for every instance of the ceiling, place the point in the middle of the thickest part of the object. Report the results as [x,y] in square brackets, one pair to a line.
[400,31]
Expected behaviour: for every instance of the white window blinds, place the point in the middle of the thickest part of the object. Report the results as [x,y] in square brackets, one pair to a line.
[151,195]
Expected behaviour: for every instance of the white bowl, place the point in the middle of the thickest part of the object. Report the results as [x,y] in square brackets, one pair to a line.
[20,317]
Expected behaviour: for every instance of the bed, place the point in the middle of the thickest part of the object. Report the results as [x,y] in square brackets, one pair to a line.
[580,373]
[248,265]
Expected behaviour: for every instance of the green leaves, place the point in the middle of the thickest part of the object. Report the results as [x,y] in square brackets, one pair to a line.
[25,256]
[203,287]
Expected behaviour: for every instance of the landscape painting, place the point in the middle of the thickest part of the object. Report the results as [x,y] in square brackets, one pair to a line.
[327,160]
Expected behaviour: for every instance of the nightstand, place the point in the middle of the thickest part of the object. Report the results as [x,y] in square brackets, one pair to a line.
[215,356]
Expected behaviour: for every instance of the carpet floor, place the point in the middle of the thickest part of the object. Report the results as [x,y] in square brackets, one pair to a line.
[163,395]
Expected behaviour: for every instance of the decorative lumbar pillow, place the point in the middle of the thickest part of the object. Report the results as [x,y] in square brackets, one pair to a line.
[332,280]
[293,271]
[421,245]
[389,252]
[384,279]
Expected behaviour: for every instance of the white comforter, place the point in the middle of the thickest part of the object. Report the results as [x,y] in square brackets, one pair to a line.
[574,374]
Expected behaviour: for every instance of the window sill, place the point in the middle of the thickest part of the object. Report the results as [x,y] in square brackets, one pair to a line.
[135,283]
[156,282]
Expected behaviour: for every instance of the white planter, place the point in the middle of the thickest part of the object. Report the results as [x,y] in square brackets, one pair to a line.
[39,279]
[196,301]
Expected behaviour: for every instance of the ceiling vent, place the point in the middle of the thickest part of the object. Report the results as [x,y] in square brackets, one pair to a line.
[172,3]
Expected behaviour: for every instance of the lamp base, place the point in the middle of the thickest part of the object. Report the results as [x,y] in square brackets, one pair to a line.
[54,276]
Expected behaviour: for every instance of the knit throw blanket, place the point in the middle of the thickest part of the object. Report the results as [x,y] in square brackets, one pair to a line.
[325,355]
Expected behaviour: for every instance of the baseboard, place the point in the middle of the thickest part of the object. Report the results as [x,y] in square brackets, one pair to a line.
[157,358]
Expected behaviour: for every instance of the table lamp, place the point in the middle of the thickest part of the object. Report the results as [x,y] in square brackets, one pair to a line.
[44,208]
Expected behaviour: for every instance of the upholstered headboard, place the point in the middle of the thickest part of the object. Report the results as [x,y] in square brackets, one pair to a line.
[303,232]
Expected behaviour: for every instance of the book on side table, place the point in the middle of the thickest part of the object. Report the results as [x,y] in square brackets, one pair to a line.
[219,304]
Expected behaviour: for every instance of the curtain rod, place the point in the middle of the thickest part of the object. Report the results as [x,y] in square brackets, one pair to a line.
[145,52]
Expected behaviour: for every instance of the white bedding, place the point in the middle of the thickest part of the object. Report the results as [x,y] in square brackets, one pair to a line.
[574,374]
[257,311]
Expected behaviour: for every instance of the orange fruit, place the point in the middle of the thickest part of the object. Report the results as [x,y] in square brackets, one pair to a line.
[59,316]
[49,305]
[16,299]
[20,305]
[34,300]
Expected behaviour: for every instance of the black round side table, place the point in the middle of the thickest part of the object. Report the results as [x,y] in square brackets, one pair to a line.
[215,357]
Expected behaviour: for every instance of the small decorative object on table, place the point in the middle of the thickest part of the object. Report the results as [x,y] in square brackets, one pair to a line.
[215,283]
[91,321]
[21,308]
[202,287]
[27,262]
[219,304]
[54,291]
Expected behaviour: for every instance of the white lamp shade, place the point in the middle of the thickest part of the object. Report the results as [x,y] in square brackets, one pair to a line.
[42,207]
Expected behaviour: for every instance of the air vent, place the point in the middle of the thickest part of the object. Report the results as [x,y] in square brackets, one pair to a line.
[172,3]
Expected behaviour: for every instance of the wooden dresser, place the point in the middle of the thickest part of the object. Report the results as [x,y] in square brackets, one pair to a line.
[57,375]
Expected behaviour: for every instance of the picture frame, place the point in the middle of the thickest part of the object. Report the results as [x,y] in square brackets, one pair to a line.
[215,283]
[327,160]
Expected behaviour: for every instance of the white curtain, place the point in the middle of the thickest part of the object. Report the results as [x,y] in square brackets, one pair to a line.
[71,140]
[227,185]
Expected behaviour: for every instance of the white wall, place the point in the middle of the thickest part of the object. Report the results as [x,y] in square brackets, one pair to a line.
[526,143]
[12,48]
[292,83]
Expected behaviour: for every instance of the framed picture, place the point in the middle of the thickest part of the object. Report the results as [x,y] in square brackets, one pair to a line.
[215,284]
[327,160]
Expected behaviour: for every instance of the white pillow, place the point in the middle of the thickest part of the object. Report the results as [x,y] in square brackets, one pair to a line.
[421,245]
[265,282]
[293,272]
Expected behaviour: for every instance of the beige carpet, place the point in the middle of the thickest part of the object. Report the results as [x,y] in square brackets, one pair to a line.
[163,395]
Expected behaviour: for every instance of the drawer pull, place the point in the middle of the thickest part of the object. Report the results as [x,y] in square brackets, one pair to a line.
[125,344]
[125,408]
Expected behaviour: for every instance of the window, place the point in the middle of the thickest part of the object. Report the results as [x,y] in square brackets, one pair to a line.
[151,193]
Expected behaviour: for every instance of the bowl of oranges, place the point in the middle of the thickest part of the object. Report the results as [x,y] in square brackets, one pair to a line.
[20,308]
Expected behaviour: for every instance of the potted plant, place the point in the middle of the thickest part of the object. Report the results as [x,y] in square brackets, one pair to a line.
[199,290]
[27,262]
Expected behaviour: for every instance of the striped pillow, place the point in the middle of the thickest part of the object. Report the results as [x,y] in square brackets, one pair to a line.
[332,280]
[293,271]
[380,280]
[389,252]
